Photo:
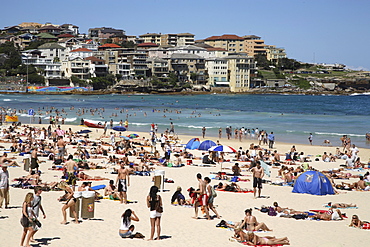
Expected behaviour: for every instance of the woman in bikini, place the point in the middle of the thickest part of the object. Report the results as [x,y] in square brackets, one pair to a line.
[250,223]
[70,203]
[252,239]
[356,222]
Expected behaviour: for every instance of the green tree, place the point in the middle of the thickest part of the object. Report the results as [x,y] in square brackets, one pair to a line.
[118,77]
[35,44]
[13,59]
[36,79]
[22,69]
[262,61]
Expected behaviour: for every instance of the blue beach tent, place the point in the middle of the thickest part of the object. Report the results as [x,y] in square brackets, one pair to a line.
[314,183]
[193,144]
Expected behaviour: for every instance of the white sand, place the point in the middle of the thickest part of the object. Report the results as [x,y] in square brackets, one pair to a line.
[176,222]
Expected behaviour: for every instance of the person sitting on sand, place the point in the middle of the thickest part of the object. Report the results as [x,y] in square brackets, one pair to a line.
[178,197]
[126,229]
[111,191]
[252,239]
[236,169]
[250,222]
[356,222]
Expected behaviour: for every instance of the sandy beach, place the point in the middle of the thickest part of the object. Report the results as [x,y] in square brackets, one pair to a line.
[178,226]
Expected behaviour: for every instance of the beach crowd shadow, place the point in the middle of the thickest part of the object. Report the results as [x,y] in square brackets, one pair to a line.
[44,241]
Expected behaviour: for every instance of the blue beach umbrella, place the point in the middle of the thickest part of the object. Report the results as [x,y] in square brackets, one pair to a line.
[207,144]
[119,128]
[84,131]
[193,143]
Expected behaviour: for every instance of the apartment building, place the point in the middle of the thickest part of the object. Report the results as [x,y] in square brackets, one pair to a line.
[254,45]
[98,68]
[180,39]
[229,42]
[50,68]
[150,38]
[104,32]
[77,67]
[188,68]
[217,71]
[80,52]
[158,67]
[53,51]
[240,67]
[274,53]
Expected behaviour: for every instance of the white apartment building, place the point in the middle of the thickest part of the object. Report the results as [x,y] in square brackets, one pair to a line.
[50,68]
[76,67]
[52,51]
[217,70]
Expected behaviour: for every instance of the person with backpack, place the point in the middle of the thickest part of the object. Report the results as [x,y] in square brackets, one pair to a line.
[211,196]
[36,207]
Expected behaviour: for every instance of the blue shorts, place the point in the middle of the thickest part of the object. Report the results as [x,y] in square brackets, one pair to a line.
[125,235]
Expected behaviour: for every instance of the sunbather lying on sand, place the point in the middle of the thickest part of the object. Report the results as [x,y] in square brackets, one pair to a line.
[252,239]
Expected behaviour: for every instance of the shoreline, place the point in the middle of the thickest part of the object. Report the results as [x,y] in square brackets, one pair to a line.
[259,92]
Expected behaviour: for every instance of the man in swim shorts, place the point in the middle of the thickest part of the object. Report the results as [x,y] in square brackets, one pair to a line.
[258,174]
[202,198]
[123,180]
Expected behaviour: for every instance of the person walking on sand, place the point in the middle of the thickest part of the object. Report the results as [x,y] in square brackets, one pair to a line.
[27,219]
[4,186]
[122,182]
[61,144]
[36,207]
[202,198]
[257,173]
[154,203]
[211,196]
[310,138]
[71,166]
[271,138]
[204,131]
[70,203]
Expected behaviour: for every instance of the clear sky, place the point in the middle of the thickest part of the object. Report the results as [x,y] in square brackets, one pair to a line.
[321,31]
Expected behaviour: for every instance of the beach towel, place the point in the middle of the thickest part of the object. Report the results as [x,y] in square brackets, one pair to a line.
[244,191]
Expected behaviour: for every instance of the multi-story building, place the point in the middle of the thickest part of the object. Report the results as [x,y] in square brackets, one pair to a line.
[188,68]
[80,52]
[229,42]
[77,67]
[70,29]
[217,71]
[273,53]
[98,68]
[240,67]
[53,51]
[254,45]
[158,67]
[104,32]
[121,68]
[50,68]
[24,40]
[51,29]
[150,38]
[179,39]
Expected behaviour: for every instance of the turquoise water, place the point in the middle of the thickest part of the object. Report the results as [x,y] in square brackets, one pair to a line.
[291,117]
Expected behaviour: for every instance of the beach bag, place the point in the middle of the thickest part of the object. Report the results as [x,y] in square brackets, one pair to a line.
[24,221]
[37,223]
[158,207]
[138,235]
[366,226]
[214,194]
[271,211]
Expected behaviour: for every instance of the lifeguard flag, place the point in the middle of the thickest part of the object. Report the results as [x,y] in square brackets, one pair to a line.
[11,118]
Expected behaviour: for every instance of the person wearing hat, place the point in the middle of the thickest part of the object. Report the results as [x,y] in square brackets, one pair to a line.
[4,186]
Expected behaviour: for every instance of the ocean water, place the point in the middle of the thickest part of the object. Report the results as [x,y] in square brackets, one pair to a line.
[290,117]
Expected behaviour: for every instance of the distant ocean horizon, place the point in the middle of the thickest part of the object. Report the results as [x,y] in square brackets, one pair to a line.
[291,117]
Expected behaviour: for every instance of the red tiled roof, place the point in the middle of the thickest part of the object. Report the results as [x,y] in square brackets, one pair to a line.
[225,36]
[95,59]
[147,44]
[110,46]
[65,35]
[81,50]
